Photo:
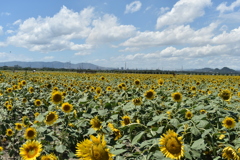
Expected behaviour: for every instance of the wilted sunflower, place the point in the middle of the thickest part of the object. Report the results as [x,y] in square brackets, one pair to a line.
[229,153]
[9,132]
[56,97]
[137,101]
[94,149]
[229,122]
[188,115]
[177,97]
[96,123]
[150,94]
[226,95]
[172,145]
[37,102]
[66,107]
[51,118]
[30,150]
[30,133]
[18,126]
[126,120]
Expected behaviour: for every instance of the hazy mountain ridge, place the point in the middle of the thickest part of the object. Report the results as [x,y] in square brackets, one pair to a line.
[54,64]
[216,70]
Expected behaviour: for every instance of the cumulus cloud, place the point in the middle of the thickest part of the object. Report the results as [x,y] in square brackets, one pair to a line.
[5,14]
[184,11]
[107,29]
[133,7]
[53,33]
[172,36]
[223,6]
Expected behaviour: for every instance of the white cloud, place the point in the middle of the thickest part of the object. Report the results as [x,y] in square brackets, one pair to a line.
[81,53]
[133,7]
[48,57]
[1,30]
[17,22]
[5,14]
[164,9]
[5,57]
[223,6]
[184,11]
[107,29]
[172,36]
[53,33]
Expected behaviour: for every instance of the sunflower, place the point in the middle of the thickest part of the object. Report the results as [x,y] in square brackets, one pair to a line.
[160,82]
[9,132]
[96,123]
[49,157]
[109,88]
[9,107]
[18,126]
[137,101]
[150,94]
[137,82]
[24,100]
[230,153]
[98,90]
[37,102]
[171,145]
[66,107]
[30,150]
[30,133]
[202,111]
[36,114]
[229,122]
[94,149]
[177,97]
[188,115]
[226,95]
[116,131]
[23,82]
[56,97]
[193,88]
[30,89]
[51,118]
[126,120]
[1,148]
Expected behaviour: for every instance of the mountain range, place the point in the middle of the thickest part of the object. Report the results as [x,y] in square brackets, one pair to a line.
[216,70]
[54,64]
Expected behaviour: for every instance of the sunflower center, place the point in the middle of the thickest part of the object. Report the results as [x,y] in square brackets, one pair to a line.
[229,154]
[229,122]
[50,117]
[66,108]
[31,151]
[173,145]
[30,133]
[149,94]
[57,98]
[177,97]
[126,121]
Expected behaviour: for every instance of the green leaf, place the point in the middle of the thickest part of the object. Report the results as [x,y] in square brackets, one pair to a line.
[103,112]
[60,148]
[202,123]
[40,117]
[175,122]
[118,151]
[199,145]
[137,138]
[41,129]
[195,131]
[151,123]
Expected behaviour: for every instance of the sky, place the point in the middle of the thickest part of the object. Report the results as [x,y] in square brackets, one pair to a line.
[147,34]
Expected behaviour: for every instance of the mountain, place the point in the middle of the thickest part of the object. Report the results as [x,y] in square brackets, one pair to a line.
[216,70]
[54,64]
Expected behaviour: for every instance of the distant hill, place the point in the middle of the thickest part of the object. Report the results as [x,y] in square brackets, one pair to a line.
[54,64]
[216,70]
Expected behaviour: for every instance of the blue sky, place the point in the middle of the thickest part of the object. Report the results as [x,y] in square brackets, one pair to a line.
[147,34]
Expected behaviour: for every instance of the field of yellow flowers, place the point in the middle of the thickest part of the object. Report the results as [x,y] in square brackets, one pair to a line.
[63,115]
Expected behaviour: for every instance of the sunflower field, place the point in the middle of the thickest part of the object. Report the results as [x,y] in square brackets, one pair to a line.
[66,115]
